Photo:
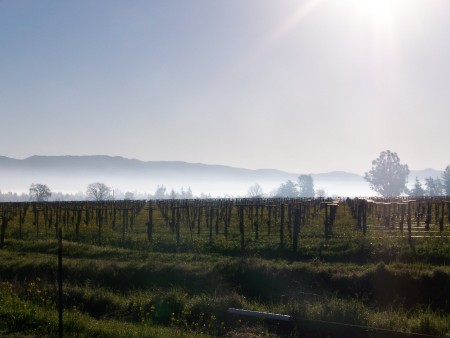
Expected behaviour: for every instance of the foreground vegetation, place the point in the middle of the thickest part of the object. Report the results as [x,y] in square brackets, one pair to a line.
[131,287]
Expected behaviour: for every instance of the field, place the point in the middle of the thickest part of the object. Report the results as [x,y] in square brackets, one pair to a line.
[356,268]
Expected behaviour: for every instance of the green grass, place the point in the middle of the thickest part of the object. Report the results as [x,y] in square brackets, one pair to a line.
[140,288]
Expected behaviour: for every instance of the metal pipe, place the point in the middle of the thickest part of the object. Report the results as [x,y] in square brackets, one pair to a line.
[266,315]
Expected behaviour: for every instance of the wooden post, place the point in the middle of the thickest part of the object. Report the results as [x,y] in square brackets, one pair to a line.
[78,223]
[241,226]
[210,224]
[177,225]
[257,223]
[297,218]
[282,225]
[150,222]
[3,229]
[402,217]
[364,216]
[124,223]
[428,218]
[409,222]
[36,220]
[289,223]
[60,285]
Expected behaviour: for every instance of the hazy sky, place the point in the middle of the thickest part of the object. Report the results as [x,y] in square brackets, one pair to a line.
[302,86]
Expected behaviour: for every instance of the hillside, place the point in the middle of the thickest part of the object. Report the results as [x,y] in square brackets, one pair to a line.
[74,173]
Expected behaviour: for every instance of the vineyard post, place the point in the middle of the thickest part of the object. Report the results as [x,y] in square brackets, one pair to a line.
[56,223]
[388,219]
[177,225]
[419,213]
[124,223]
[3,229]
[36,219]
[199,219]
[257,223]
[289,223]
[436,211]
[325,223]
[441,220]
[428,218]
[409,222]
[150,221]
[227,218]
[21,221]
[241,226]
[297,218]
[282,225]
[364,216]
[217,221]
[99,223]
[77,225]
[448,211]
[402,217]
[333,210]
[359,214]
[210,223]
[269,221]
[60,285]
[46,218]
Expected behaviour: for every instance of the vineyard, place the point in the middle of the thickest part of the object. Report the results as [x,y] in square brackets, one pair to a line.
[241,222]
[174,267]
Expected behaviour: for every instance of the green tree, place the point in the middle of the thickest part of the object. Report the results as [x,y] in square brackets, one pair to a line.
[388,176]
[434,186]
[305,186]
[39,192]
[417,190]
[287,189]
[446,180]
[160,193]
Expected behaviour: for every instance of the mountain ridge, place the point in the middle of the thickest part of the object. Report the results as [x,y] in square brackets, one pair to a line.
[74,172]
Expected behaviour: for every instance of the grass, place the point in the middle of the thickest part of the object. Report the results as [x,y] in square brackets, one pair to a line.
[133,287]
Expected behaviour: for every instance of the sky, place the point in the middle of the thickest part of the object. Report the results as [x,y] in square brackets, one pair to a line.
[304,86]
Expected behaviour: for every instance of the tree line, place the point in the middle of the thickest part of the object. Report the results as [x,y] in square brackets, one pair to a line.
[388,177]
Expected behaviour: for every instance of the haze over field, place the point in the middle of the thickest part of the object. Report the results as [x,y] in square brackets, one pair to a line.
[71,174]
[306,86]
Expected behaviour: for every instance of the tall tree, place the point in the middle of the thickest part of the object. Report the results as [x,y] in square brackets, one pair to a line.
[305,186]
[417,190]
[388,176]
[160,193]
[98,191]
[39,192]
[287,189]
[446,180]
[434,186]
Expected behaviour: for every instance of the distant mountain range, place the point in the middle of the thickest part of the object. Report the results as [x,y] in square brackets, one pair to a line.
[74,173]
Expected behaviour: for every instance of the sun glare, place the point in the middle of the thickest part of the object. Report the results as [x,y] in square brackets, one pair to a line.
[377,10]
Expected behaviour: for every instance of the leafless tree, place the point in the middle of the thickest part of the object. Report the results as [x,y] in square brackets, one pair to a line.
[255,191]
[98,191]
[39,192]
